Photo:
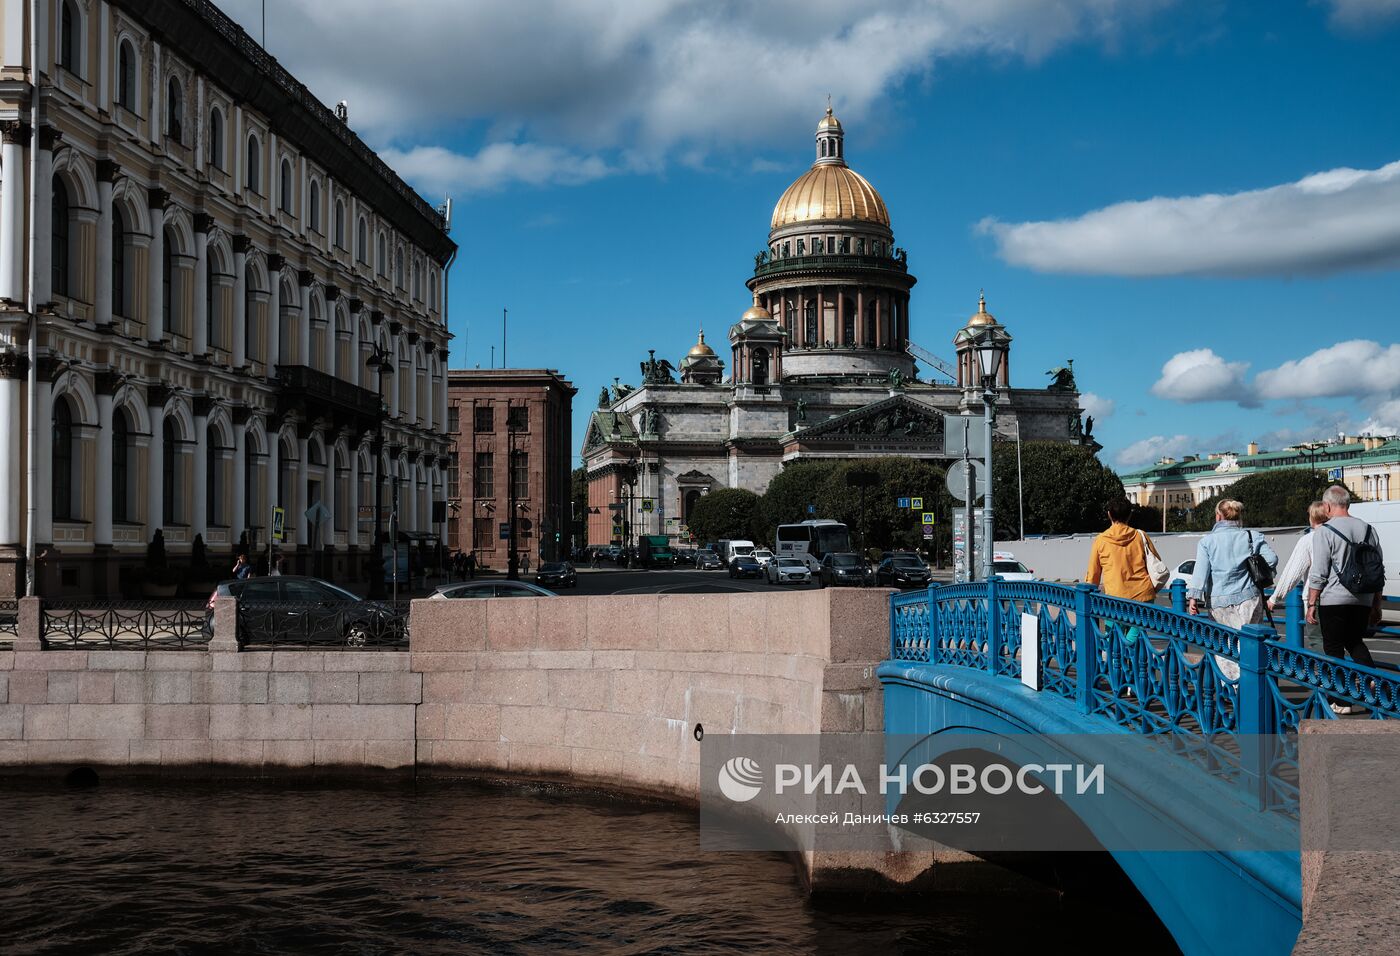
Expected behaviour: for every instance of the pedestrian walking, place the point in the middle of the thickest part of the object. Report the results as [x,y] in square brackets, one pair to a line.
[1123,561]
[1295,571]
[1222,576]
[525,562]
[593,558]
[1345,582]
[242,570]
[471,564]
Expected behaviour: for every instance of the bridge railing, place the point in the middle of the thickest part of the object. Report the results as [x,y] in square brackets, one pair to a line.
[1229,700]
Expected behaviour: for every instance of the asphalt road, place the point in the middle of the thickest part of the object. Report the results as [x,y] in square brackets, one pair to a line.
[674,581]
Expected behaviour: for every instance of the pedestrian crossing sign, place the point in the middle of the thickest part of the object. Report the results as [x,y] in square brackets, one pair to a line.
[916,504]
[928,517]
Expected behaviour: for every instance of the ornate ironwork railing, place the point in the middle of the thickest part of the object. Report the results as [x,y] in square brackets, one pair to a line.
[825,262]
[9,621]
[358,626]
[123,625]
[1209,691]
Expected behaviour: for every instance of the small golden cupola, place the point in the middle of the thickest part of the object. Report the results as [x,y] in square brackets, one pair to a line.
[701,366]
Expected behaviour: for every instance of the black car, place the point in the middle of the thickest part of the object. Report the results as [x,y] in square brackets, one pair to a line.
[707,561]
[903,570]
[559,574]
[745,566]
[845,569]
[294,610]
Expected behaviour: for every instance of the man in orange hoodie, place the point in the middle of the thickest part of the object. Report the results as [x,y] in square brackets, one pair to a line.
[1118,558]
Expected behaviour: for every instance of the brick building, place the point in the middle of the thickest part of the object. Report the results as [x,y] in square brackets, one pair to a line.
[509,427]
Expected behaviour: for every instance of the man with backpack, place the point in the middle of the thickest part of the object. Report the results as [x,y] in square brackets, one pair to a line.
[1346,582]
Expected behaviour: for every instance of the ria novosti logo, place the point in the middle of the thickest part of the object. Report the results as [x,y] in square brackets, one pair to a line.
[740,779]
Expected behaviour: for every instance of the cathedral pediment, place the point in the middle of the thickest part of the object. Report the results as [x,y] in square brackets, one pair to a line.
[895,419]
[607,427]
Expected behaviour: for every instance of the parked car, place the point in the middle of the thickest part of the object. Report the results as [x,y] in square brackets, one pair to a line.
[844,568]
[292,609]
[788,571]
[490,589]
[708,560]
[558,574]
[903,569]
[1012,570]
[745,566]
[1182,572]
[763,556]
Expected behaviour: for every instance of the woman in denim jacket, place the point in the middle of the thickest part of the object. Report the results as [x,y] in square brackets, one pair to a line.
[1220,575]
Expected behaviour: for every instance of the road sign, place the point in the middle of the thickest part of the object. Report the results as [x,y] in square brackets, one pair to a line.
[647,504]
[279,524]
[365,512]
[928,531]
[916,504]
[505,530]
[927,519]
[964,433]
[616,506]
[1334,474]
[811,509]
[957,479]
[901,503]
[316,514]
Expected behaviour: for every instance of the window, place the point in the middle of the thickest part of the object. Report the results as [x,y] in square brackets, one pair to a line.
[483,537]
[69,43]
[120,307]
[452,477]
[418,281]
[216,138]
[484,477]
[126,76]
[520,473]
[339,224]
[59,254]
[253,150]
[809,334]
[381,258]
[286,186]
[518,418]
[121,461]
[432,291]
[62,484]
[485,418]
[398,269]
[175,111]
[313,206]
[168,472]
[362,241]
[759,364]
[453,419]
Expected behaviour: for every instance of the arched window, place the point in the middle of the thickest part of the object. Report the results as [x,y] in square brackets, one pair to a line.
[362,241]
[432,290]
[214,485]
[169,475]
[120,305]
[759,364]
[381,258]
[121,461]
[167,282]
[313,206]
[398,269]
[810,336]
[59,254]
[418,281]
[339,224]
[286,186]
[69,40]
[211,322]
[62,460]
[253,151]
[216,138]
[250,331]
[175,111]
[126,76]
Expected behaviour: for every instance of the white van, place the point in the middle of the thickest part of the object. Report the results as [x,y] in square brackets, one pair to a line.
[729,549]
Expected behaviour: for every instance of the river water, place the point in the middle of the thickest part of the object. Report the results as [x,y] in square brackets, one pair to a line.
[451,867]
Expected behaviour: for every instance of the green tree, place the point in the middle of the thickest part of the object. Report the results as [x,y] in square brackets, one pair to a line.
[1066,488]
[1271,499]
[726,513]
[798,485]
[578,495]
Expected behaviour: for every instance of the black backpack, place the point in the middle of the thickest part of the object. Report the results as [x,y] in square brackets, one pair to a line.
[1363,568]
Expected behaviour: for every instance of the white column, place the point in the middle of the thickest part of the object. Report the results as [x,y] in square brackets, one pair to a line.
[155,472]
[412,387]
[156,121]
[330,342]
[102,286]
[199,513]
[304,332]
[240,301]
[155,256]
[200,336]
[43,219]
[352,510]
[299,502]
[15,137]
[356,365]
[410,522]
[11,403]
[328,498]
[274,315]
[102,485]
[43,498]
[393,383]
[240,485]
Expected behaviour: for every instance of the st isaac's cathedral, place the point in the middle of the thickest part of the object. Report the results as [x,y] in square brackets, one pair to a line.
[821,366]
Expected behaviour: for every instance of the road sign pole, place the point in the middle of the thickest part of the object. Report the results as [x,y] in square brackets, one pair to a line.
[969,546]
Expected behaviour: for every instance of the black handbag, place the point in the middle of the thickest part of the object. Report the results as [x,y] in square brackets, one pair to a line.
[1260,575]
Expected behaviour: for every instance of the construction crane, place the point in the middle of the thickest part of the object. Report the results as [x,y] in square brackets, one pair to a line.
[931,360]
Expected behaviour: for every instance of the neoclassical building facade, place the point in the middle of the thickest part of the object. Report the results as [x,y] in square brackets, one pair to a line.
[202,259]
[821,366]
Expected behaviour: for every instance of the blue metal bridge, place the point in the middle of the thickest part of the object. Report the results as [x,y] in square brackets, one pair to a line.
[1223,705]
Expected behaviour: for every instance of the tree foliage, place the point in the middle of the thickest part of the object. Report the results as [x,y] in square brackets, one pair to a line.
[1066,488]
[1270,498]
[726,513]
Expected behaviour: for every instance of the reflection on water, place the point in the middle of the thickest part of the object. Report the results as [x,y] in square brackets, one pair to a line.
[444,868]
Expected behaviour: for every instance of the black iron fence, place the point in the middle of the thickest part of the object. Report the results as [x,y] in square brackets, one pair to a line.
[365,625]
[9,621]
[123,625]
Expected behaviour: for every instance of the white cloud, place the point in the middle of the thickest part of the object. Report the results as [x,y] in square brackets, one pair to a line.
[438,170]
[1360,14]
[1328,222]
[1097,405]
[643,82]
[1148,451]
[1355,367]
[1202,376]
[1384,420]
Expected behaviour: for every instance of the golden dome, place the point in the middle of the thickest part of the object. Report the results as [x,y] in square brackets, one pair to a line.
[700,349]
[756,314]
[830,191]
[981,316]
[828,121]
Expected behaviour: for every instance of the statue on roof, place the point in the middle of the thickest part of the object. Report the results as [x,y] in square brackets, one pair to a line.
[896,379]
[603,399]
[1062,378]
[620,391]
[657,371]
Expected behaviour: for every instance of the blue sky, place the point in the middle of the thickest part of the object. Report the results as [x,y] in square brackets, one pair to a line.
[1194,200]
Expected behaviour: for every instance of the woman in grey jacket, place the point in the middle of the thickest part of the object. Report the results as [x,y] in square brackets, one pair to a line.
[1220,576]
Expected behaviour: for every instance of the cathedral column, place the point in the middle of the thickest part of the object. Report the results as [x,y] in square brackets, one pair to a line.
[102,498]
[199,336]
[15,137]
[299,502]
[352,504]
[239,521]
[304,278]
[357,369]
[240,301]
[821,317]
[43,217]
[102,284]
[879,320]
[800,336]
[43,492]
[860,317]
[156,396]
[199,511]
[328,496]
[840,337]
[14,368]
[274,313]
[155,260]
[332,346]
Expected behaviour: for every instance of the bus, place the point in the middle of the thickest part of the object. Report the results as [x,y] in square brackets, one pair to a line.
[812,540]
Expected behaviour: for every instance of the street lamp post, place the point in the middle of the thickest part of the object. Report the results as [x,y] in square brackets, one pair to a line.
[380,363]
[990,348]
